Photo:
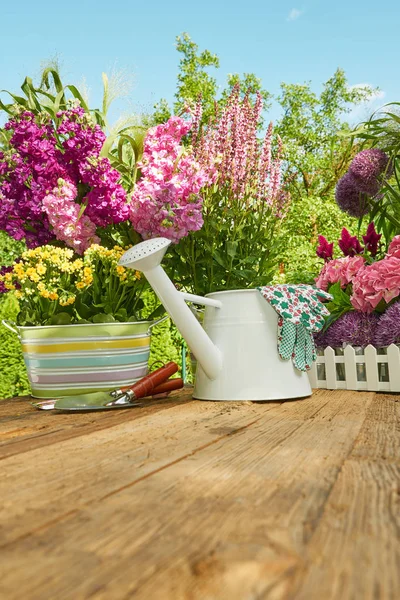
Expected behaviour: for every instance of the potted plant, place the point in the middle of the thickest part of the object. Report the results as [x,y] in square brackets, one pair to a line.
[64,190]
[359,343]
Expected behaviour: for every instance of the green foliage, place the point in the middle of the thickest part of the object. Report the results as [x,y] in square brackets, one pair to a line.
[232,250]
[193,80]
[339,305]
[14,379]
[316,155]
[10,249]
[309,217]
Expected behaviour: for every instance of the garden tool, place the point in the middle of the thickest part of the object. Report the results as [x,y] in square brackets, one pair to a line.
[236,346]
[155,383]
[300,314]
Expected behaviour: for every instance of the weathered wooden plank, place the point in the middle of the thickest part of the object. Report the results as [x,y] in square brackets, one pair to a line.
[23,427]
[229,515]
[355,550]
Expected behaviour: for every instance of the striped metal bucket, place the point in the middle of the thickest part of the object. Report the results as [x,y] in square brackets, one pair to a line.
[64,360]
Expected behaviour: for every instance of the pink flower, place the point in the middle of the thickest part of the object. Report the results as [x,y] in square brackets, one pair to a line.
[394,247]
[376,282]
[166,200]
[340,269]
[78,232]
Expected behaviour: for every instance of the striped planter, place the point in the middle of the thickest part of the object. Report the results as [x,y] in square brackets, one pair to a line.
[64,360]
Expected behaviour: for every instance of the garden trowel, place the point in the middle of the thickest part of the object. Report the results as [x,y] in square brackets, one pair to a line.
[156,383]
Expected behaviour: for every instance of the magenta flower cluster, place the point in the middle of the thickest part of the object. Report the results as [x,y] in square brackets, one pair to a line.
[362,181]
[166,200]
[350,244]
[51,165]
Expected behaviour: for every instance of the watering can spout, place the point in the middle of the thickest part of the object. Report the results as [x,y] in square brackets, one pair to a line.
[146,257]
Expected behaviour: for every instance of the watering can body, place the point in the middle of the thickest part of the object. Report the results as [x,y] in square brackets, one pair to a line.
[236,349]
[244,329]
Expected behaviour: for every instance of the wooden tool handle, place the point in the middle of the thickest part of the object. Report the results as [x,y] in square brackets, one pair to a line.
[168,386]
[145,386]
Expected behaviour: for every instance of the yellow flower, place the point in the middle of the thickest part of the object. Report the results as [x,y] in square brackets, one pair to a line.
[67,301]
[19,294]
[80,285]
[32,274]
[41,269]
[53,296]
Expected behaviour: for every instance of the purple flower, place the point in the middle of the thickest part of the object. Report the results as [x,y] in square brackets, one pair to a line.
[349,245]
[43,152]
[388,329]
[366,168]
[354,327]
[325,249]
[371,239]
[348,197]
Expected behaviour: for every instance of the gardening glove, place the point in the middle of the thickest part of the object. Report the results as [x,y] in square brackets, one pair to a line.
[300,314]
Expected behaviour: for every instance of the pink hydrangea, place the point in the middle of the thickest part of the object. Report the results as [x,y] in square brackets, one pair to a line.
[394,247]
[78,232]
[376,282]
[340,269]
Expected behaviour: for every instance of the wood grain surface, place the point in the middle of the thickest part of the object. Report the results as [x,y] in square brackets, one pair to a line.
[182,499]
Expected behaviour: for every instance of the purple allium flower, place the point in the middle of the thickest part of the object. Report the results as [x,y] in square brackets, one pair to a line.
[388,329]
[325,249]
[371,239]
[354,327]
[348,197]
[366,167]
[349,244]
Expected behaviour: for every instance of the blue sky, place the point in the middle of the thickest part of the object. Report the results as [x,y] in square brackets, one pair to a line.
[291,41]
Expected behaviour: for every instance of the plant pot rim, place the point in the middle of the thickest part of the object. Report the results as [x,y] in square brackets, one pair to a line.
[108,323]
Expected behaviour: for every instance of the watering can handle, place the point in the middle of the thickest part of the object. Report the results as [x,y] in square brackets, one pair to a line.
[12,327]
[201,300]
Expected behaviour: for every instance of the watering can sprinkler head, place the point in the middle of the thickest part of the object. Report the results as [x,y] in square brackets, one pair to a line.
[145,256]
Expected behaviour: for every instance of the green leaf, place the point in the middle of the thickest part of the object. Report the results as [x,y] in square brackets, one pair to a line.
[231,248]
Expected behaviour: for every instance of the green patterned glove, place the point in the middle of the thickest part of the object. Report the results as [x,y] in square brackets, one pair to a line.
[300,313]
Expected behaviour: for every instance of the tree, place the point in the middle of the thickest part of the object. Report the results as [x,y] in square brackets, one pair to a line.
[194,82]
[317,153]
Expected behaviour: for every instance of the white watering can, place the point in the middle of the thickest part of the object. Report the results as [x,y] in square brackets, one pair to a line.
[236,348]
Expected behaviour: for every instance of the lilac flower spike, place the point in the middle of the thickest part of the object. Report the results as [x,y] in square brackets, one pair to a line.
[371,239]
[349,245]
[325,249]
[348,197]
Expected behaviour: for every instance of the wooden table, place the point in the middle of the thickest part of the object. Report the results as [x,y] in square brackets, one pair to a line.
[193,500]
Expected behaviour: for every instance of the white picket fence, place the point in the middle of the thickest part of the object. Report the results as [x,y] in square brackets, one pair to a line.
[369,369]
